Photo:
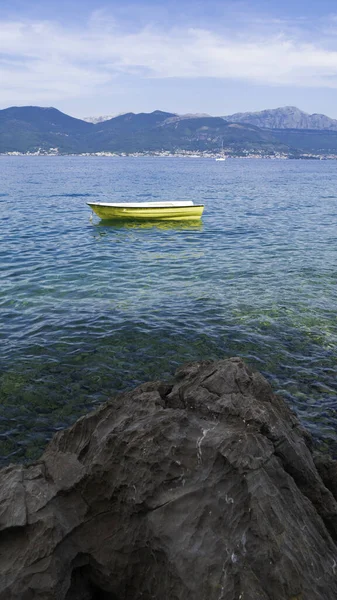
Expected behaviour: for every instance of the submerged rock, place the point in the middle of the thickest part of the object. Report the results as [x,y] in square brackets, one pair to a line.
[201,490]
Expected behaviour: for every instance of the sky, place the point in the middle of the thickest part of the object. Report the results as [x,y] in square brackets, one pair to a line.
[93,58]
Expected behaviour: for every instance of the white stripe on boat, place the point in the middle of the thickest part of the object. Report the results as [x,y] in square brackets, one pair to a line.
[144,204]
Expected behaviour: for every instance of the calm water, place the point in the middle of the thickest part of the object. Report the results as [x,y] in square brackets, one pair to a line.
[89,309]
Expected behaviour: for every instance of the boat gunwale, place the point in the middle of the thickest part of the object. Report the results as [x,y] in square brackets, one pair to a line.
[140,207]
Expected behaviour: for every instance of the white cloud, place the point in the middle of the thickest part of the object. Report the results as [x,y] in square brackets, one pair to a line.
[44,62]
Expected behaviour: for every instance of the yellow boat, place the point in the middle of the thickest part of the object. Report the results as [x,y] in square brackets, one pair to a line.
[158,211]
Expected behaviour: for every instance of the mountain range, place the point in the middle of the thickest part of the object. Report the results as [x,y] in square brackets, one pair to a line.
[288,117]
[32,128]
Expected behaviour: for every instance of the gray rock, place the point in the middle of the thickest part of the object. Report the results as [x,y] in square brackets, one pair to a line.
[287,117]
[201,490]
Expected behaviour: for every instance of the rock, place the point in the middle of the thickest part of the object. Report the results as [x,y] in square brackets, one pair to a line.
[327,469]
[202,490]
[286,117]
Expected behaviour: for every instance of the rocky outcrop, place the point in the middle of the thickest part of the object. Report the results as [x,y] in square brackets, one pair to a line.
[201,490]
[287,117]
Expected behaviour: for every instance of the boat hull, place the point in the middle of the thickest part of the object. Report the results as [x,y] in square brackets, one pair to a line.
[165,213]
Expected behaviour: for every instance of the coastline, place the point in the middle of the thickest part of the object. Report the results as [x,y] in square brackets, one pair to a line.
[179,154]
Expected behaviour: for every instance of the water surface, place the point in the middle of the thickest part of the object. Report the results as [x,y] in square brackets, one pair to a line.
[88,308]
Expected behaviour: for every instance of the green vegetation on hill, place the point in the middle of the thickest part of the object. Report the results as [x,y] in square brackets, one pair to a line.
[30,128]
[308,140]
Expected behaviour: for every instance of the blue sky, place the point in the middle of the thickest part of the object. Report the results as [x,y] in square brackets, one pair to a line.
[90,58]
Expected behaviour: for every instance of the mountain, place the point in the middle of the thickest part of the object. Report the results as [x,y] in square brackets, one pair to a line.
[31,128]
[135,122]
[311,141]
[209,133]
[288,117]
[159,130]
[100,119]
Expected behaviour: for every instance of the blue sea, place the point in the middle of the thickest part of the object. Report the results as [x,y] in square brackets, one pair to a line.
[88,309]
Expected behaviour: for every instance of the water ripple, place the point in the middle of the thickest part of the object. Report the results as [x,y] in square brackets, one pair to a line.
[90,308]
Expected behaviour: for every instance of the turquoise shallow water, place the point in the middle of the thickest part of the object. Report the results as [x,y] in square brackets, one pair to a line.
[88,309]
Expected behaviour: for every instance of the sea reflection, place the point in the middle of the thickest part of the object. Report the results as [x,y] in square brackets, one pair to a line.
[194,225]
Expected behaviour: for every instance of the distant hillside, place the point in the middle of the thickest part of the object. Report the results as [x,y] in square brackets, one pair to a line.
[102,118]
[166,131]
[288,117]
[312,141]
[27,128]
[30,128]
